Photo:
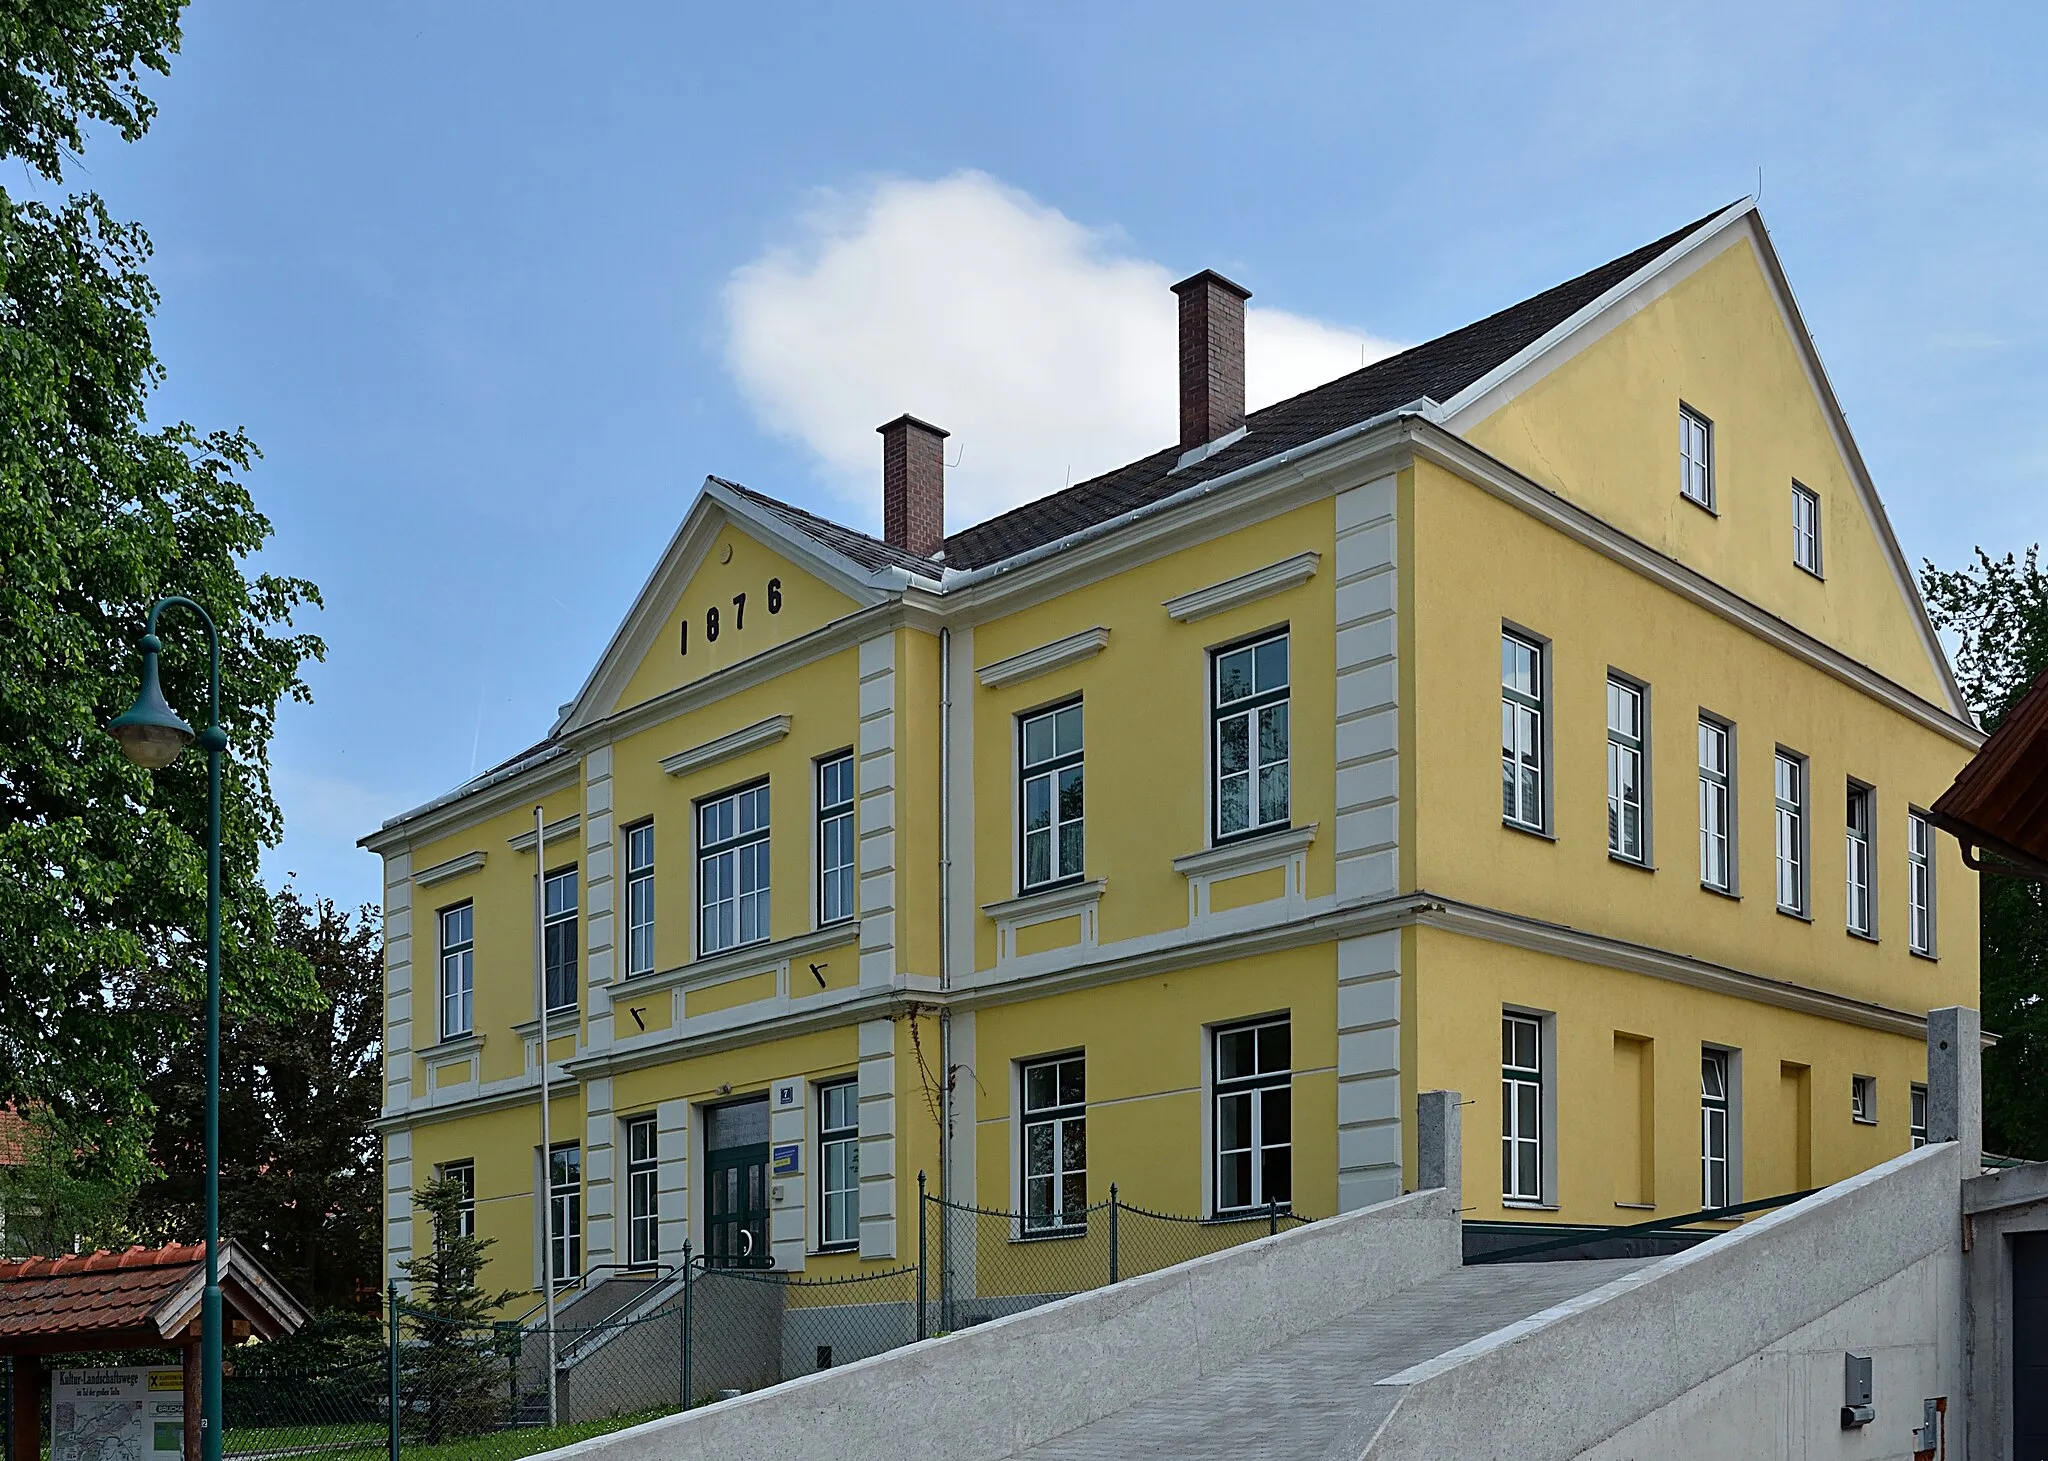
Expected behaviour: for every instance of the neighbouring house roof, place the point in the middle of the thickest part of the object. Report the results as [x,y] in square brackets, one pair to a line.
[1998,807]
[141,1296]
[16,1138]
[1436,370]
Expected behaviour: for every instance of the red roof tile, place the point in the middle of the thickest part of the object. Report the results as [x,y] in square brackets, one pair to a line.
[92,1292]
[15,1137]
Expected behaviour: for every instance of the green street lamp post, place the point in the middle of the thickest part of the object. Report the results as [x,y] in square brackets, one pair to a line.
[152,735]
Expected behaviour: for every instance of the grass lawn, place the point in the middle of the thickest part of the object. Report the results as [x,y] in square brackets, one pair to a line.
[369,1442]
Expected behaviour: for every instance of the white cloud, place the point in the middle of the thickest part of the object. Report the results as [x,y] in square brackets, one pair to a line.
[1045,350]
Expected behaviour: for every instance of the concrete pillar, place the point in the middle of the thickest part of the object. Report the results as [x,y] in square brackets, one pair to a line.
[1439,1147]
[1955,1083]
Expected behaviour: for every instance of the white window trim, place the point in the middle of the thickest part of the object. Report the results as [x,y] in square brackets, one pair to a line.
[820,814]
[1801,493]
[1733,1058]
[461,946]
[732,846]
[466,1166]
[1803,836]
[1546,1108]
[1021,1144]
[1711,501]
[1930,947]
[1249,705]
[1645,856]
[1867,795]
[1863,1099]
[573,918]
[635,879]
[828,1135]
[1544,757]
[1916,1116]
[1049,769]
[1212,1094]
[650,1169]
[1733,860]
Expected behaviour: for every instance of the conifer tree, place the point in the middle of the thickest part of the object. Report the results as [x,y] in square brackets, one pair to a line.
[454,1379]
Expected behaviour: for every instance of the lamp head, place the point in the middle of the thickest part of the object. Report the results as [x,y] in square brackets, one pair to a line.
[150,732]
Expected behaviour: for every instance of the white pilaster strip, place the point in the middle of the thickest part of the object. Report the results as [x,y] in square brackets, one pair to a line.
[1368,1069]
[600,1161]
[397,1061]
[789,1213]
[875,821]
[878,1139]
[672,1178]
[600,917]
[397,1204]
[1367,840]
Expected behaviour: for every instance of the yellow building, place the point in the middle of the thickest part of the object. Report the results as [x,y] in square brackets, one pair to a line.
[1153,832]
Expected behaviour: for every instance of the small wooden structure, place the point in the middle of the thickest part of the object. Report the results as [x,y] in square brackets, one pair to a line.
[1998,807]
[144,1298]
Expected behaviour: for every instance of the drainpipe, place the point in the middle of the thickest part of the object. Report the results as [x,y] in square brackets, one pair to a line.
[945,909]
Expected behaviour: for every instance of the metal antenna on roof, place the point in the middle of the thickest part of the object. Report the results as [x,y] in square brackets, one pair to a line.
[956,460]
[1759,184]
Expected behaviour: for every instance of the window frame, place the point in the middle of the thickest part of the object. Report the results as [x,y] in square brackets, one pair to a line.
[827,819]
[1859,857]
[1708,500]
[1250,705]
[1725,782]
[1050,770]
[1806,541]
[1061,1115]
[1796,815]
[639,879]
[565,1210]
[709,851]
[1863,1099]
[462,1169]
[1620,745]
[1916,1116]
[1536,705]
[1516,1079]
[1923,931]
[1723,1106]
[643,1191]
[464,951]
[847,1137]
[568,919]
[1257,1085]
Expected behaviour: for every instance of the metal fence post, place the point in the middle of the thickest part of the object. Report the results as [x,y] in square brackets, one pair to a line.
[686,1324]
[1112,1233]
[923,1254]
[392,1294]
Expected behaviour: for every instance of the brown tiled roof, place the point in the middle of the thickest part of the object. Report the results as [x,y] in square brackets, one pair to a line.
[90,1293]
[16,1138]
[1436,370]
[1999,802]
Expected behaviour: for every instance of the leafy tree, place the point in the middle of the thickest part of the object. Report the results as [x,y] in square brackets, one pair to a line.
[1996,609]
[454,1379]
[299,1168]
[46,1207]
[102,869]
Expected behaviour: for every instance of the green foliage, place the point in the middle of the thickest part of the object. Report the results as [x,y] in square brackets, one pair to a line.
[455,1377]
[299,1169]
[1996,610]
[102,868]
[47,1207]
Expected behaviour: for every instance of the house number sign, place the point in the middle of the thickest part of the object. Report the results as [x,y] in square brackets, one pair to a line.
[714,624]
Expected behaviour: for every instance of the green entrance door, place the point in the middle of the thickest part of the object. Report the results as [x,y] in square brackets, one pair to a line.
[736,1184]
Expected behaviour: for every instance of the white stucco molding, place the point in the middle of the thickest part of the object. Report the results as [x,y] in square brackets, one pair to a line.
[1246,588]
[1076,899]
[1044,659]
[454,867]
[1212,865]
[724,748]
[559,831]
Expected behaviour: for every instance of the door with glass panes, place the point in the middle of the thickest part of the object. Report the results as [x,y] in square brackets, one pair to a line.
[736,1185]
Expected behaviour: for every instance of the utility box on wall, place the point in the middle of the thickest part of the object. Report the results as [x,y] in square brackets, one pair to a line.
[1857,1409]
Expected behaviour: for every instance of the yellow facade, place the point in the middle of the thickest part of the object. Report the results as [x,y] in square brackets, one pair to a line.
[1389,919]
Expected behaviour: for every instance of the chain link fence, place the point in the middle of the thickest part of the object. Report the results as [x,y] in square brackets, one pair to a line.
[422,1386]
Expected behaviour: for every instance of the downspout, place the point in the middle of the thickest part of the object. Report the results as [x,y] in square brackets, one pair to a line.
[945,910]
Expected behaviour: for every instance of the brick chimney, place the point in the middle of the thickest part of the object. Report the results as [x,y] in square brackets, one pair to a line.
[913,486]
[1211,358]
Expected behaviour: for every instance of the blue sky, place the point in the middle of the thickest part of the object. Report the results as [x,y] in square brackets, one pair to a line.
[495,285]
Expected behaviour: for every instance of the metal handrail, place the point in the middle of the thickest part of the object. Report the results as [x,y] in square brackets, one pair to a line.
[662,1273]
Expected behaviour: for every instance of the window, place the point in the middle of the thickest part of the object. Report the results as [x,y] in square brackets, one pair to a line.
[1791,800]
[839,1163]
[1920,883]
[1717,806]
[1863,1099]
[1918,1121]
[835,839]
[458,970]
[1055,1145]
[1625,770]
[732,870]
[1696,457]
[640,899]
[565,1208]
[1049,796]
[463,1174]
[1860,915]
[558,938]
[643,1192]
[1713,1128]
[1521,732]
[1521,1108]
[1806,528]
[1251,738]
[1254,1140]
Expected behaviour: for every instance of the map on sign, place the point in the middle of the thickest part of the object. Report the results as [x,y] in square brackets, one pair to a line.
[117,1414]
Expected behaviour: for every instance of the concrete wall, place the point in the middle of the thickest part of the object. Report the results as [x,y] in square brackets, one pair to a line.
[1996,1207]
[1069,1362]
[1733,1348]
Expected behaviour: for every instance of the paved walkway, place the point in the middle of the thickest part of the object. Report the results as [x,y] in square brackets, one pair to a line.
[1313,1398]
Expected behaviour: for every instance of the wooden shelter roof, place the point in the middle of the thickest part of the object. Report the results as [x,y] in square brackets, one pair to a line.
[135,1298]
[1998,807]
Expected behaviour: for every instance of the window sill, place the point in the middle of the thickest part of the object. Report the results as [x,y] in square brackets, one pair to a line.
[1523,1204]
[1929,956]
[1051,1235]
[746,959]
[452,1046]
[1634,862]
[1637,1206]
[1813,573]
[1227,859]
[1729,893]
[561,1024]
[1861,937]
[1047,902]
[1795,913]
[1528,831]
[1706,507]
[1864,1120]
[832,1250]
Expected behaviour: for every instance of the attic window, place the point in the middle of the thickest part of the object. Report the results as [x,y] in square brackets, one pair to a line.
[1696,457]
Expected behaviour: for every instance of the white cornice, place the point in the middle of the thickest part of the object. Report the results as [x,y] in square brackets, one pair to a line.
[724,748]
[1045,659]
[1053,903]
[1250,854]
[736,964]
[538,780]
[454,867]
[1246,588]
[556,830]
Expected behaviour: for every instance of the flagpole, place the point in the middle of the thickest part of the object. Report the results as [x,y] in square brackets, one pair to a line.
[547,1149]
